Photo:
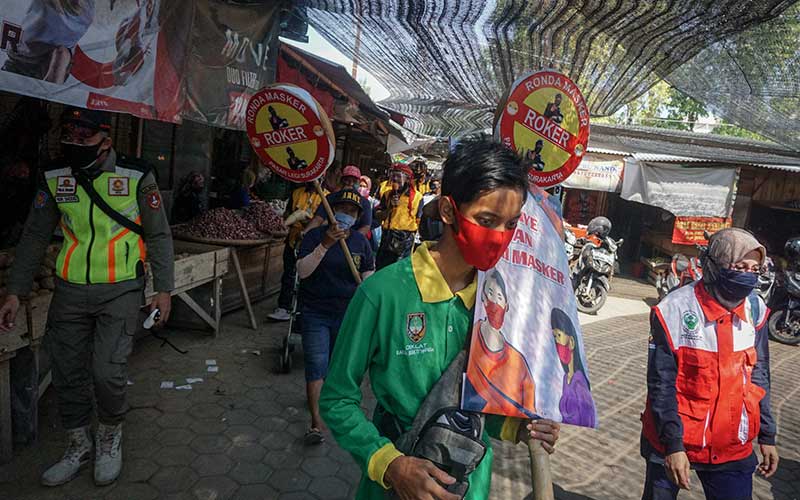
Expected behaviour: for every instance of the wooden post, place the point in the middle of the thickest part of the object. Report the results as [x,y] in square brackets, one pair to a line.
[217,304]
[332,221]
[243,286]
[540,471]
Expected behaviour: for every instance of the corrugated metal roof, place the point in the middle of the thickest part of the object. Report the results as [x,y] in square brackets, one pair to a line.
[667,158]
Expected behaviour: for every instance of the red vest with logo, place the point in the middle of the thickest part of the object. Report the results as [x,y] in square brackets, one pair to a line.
[715,351]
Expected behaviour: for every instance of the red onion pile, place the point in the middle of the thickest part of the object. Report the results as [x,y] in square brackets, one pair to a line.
[264,218]
[222,224]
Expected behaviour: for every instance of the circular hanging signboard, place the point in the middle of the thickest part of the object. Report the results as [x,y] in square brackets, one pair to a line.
[290,132]
[546,120]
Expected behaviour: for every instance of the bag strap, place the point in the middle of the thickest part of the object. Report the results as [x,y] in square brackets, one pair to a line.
[105,207]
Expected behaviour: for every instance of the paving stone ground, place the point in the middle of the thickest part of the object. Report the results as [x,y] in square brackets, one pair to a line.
[238,434]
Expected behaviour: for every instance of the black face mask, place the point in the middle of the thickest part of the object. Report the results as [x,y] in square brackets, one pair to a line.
[80,157]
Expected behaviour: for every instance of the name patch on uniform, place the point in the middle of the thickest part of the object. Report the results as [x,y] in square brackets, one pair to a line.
[154,200]
[65,184]
[67,199]
[41,199]
[118,186]
[416,327]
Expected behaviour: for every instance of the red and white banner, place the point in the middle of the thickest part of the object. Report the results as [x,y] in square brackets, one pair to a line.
[114,55]
[691,230]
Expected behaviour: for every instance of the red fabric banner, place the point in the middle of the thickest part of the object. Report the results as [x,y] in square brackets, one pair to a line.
[690,230]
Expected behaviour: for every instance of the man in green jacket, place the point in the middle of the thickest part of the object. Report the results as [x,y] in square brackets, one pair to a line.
[407,323]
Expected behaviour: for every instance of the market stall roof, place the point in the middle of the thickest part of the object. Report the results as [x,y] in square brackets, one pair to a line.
[677,146]
[337,77]
[447,62]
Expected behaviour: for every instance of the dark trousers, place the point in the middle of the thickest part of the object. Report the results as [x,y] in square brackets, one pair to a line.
[717,485]
[89,337]
[287,278]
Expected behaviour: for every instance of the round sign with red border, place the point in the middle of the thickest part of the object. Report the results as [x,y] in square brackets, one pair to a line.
[545,118]
[290,132]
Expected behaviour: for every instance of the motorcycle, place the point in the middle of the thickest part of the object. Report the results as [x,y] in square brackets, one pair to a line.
[766,281]
[784,322]
[592,273]
[681,271]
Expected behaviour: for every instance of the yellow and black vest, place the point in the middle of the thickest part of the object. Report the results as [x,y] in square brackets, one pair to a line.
[96,248]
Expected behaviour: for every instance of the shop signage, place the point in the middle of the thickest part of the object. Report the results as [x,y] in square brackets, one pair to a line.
[597,175]
[290,132]
[119,56]
[545,118]
[527,358]
[691,230]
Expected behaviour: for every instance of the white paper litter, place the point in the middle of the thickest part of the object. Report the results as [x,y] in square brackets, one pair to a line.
[213,369]
[167,385]
[186,387]
[257,353]
[130,383]
[193,380]
[211,362]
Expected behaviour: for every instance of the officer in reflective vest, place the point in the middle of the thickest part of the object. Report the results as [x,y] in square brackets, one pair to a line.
[708,379]
[94,311]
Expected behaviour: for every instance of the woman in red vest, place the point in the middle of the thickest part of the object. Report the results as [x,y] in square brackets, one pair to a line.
[708,379]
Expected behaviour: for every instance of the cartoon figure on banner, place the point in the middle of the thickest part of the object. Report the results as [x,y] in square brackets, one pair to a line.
[276,121]
[501,372]
[553,110]
[534,157]
[576,397]
[46,46]
[295,163]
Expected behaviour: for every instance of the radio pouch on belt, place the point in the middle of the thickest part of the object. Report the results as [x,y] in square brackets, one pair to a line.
[98,200]
[443,433]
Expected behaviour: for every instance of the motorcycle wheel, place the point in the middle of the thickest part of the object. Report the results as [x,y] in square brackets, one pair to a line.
[785,334]
[591,306]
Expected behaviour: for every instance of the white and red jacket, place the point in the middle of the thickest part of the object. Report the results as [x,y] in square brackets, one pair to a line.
[708,378]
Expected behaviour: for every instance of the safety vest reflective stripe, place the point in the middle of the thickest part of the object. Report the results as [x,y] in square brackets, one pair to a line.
[97,249]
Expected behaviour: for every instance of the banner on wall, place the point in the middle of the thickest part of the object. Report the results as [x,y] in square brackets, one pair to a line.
[527,357]
[691,230]
[116,55]
[233,50]
[597,175]
[685,192]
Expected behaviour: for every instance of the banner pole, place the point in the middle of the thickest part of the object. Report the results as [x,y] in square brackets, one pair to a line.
[332,221]
[540,471]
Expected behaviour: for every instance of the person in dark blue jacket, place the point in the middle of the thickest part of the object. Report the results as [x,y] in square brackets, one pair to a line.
[326,287]
[708,382]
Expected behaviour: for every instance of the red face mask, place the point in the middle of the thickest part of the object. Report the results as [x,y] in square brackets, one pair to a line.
[564,353]
[494,314]
[480,246]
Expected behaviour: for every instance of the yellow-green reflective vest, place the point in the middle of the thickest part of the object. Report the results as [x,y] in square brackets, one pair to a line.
[96,248]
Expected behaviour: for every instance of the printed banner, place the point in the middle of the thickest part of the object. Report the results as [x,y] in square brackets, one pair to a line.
[290,132]
[683,191]
[232,55]
[527,357]
[597,175]
[691,230]
[545,118]
[116,55]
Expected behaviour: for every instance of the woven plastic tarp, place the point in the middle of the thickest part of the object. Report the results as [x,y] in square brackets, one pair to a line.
[447,62]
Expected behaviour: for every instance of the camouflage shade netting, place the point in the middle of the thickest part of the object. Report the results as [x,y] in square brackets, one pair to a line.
[447,62]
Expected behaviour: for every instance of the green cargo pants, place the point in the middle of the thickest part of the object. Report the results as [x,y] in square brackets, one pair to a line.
[89,336]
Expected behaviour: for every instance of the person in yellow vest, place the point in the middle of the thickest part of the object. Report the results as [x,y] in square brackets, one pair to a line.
[383,187]
[420,170]
[399,211]
[301,208]
[112,217]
